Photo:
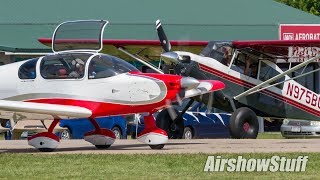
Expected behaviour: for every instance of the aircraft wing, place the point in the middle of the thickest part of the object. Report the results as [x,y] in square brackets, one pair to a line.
[43,108]
[146,48]
[288,50]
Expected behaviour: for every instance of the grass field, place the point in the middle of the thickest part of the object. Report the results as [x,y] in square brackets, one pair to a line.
[182,166]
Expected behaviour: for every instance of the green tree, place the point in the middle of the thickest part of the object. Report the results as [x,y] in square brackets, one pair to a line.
[310,6]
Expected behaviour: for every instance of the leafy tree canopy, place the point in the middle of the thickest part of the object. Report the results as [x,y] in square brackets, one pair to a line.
[310,6]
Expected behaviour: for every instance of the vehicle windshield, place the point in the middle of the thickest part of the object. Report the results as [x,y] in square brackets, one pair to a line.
[102,66]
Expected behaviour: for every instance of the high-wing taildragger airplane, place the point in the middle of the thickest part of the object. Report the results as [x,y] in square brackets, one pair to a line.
[273,79]
[77,81]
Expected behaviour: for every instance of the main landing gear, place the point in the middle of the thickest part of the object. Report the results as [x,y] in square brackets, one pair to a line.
[155,137]
[100,137]
[45,141]
[48,141]
[244,124]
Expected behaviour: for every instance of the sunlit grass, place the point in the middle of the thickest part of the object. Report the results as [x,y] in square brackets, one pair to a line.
[136,166]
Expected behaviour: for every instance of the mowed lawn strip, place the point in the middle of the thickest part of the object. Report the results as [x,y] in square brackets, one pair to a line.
[137,166]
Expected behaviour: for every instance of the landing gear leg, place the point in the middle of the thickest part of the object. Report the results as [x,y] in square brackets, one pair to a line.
[173,127]
[155,137]
[45,141]
[100,137]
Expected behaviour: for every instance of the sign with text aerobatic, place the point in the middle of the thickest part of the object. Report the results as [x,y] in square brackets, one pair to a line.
[300,32]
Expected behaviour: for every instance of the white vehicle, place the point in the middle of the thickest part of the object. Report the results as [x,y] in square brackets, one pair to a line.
[300,128]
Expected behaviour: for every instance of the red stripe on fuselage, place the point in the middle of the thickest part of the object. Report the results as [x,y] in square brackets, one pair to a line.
[267,92]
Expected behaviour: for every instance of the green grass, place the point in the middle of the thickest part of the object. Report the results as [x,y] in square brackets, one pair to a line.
[108,166]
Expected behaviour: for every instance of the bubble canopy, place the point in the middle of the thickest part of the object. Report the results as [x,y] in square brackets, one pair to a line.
[83,35]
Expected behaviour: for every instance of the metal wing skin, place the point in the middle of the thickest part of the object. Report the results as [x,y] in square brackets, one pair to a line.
[45,109]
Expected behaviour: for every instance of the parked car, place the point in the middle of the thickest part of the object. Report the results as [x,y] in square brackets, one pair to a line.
[300,128]
[66,129]
[198,124]
[26,128]
[78,127]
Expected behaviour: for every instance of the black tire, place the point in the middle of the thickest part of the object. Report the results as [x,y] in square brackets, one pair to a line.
[244,124]
[66,134]
[117,132]
[158,146]
[174,130]
[46,149]
[133,136]
[187,133]
[102,146]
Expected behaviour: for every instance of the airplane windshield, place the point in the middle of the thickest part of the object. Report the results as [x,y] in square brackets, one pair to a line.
[103,66]
[218,51]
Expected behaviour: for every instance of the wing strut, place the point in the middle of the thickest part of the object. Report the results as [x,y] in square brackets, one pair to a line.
[140,60]
[256,88]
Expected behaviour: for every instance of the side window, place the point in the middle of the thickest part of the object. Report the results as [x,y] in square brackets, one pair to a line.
[28,69]
[100,68]
[267,72]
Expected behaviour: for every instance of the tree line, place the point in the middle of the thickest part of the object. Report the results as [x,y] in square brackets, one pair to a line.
[310,6]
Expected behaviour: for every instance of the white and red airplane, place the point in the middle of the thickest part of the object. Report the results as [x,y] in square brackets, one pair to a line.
[77,81]
[269,78]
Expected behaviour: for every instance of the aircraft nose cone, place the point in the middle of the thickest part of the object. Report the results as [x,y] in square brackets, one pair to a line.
[189,83]
[171,57]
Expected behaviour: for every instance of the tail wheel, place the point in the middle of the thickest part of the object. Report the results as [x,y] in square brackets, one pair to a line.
[174,129]
[244,124]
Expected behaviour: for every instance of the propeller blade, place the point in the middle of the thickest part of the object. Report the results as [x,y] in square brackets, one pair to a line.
[179,99]
[210,102]
[162,37]
[172,113]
